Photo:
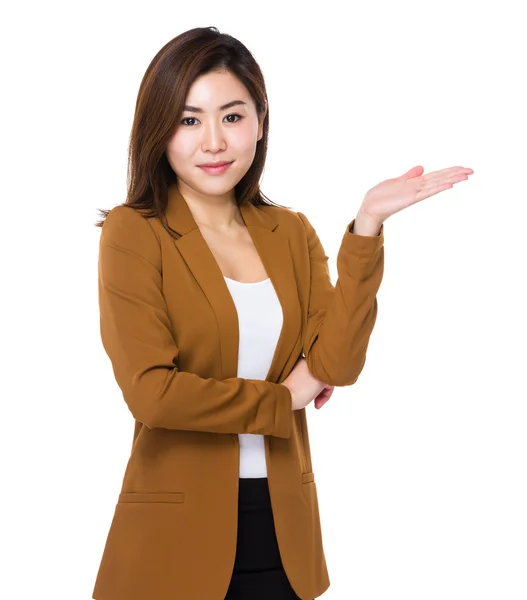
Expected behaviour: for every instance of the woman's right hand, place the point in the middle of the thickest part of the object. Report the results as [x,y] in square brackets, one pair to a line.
[303,386]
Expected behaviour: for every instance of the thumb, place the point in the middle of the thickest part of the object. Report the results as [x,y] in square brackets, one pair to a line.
[413,172]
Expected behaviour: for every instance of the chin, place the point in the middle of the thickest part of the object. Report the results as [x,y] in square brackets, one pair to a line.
[218,188]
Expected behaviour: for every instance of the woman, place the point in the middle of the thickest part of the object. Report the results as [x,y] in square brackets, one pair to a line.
[222,325]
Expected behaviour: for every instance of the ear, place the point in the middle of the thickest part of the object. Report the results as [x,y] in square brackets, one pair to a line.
[261,118]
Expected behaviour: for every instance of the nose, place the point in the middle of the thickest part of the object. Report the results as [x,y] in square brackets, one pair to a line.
[213,137]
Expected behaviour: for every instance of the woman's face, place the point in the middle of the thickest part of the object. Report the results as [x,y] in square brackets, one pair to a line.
[215,134]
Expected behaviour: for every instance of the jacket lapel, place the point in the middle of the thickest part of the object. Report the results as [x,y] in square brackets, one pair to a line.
[272,244]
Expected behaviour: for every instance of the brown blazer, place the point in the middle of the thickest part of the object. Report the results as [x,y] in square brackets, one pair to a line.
[169,326]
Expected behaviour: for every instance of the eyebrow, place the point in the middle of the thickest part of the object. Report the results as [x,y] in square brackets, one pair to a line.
[223,107]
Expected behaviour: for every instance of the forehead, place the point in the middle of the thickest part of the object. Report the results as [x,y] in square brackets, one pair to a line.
[211,90]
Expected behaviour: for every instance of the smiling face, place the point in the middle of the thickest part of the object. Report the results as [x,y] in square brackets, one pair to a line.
[219,123]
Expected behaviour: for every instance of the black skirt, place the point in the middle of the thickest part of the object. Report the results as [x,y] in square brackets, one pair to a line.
[258,571]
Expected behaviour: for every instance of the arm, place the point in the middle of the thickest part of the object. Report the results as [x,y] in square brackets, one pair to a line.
[136,335]
[341,317]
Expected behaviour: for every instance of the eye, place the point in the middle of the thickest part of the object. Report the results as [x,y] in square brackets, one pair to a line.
[234,115]
[183,121]
[188,119]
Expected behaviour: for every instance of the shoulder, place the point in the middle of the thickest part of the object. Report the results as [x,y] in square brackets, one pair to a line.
[124,221]
[124,215]
[130,230]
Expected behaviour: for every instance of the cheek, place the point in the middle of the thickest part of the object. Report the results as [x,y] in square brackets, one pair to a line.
[180,148]
[244,142]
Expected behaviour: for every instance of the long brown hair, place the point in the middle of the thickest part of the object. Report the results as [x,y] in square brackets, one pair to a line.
[159,107]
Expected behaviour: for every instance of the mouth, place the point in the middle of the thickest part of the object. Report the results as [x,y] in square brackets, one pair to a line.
[219,163]
[216,168]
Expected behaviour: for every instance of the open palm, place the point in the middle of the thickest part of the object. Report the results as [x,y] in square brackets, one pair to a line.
[393,195]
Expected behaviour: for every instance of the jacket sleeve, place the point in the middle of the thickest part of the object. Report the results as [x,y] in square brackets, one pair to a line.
[341,318]
[136,335]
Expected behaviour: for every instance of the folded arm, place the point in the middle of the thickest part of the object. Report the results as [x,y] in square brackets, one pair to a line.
[136,335]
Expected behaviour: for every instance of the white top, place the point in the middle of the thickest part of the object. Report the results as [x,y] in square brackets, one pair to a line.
[260,320]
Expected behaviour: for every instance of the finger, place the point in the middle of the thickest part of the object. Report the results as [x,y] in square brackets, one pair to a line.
[438,186]
[435,176]
[413,172]
[451,180]
[319,401]
[319,405]
[421,195]
[323,397]
[324,401]
[444,180]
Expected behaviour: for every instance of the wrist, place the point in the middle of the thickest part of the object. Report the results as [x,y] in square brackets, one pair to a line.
[292,394]
[365,225]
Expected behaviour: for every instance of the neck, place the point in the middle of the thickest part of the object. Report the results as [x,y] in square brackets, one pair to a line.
[219,212]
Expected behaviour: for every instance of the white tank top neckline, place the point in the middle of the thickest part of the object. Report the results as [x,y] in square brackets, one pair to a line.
[247,282]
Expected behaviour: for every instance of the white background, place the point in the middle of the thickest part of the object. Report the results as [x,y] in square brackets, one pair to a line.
[421,465]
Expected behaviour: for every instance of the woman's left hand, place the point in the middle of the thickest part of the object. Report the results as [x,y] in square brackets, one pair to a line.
[393,195]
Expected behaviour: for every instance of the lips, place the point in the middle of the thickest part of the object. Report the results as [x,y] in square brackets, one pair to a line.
[218,168]
[221,163]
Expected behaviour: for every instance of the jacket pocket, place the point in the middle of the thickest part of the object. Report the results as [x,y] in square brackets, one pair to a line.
[308,477]
[177,497]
